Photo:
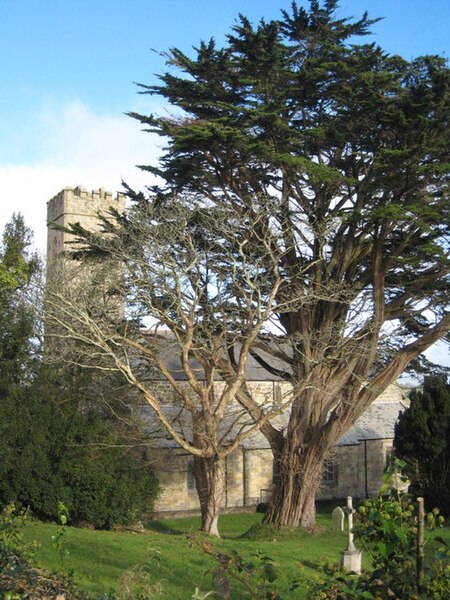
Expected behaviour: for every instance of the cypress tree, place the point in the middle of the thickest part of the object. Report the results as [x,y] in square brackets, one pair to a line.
[345,150]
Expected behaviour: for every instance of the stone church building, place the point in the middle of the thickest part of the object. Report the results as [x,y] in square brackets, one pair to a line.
[360,456]
[355,469]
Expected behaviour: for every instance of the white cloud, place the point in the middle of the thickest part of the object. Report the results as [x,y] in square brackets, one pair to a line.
[76,147]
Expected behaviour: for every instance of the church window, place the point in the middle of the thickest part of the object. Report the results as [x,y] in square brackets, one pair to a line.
[330,473]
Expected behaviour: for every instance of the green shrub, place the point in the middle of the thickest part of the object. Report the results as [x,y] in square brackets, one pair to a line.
[27,475]
[48,455]
[105,486]
[422,439]
[386,528]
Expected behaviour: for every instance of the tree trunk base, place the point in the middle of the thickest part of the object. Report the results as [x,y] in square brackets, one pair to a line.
[209,476]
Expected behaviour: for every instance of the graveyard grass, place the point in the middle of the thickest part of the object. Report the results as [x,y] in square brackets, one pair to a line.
[99,559]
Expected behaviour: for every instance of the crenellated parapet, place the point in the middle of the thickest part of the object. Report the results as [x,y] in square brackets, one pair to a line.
[77,205]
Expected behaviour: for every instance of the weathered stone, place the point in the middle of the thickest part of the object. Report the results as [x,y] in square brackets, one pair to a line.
[76,205]
[136,527]
[338,517]
[351,561]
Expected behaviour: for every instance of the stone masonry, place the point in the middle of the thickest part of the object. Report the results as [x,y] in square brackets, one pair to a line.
[77,205]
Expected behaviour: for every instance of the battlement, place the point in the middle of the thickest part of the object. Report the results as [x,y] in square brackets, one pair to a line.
[83,193]
[77,205]
[79,201]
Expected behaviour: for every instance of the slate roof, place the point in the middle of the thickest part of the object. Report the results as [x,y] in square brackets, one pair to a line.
[170,353]
[376,423]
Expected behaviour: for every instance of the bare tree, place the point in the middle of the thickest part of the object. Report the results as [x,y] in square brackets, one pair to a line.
[174,298]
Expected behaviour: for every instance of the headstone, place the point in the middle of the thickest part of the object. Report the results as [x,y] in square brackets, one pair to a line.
[338,517]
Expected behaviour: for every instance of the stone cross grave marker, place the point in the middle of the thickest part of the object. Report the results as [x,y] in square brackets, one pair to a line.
[349,510]
[350,558]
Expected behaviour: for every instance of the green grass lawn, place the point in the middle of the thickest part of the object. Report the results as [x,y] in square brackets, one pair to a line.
[100,558]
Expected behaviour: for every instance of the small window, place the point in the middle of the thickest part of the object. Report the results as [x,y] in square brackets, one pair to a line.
[330,473]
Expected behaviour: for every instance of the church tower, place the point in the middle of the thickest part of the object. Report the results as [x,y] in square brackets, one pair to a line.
[77,205]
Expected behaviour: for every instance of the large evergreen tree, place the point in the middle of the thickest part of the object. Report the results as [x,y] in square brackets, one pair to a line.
[422,438]
[343,150]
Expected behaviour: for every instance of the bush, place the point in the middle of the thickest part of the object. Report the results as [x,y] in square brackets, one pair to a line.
[386,529]
[27,475]
[49,454]
[105,486]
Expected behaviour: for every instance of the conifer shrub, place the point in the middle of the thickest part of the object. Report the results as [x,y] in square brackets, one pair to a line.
[422,439]
[104,485]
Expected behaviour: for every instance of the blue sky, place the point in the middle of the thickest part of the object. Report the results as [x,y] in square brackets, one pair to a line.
[68,69]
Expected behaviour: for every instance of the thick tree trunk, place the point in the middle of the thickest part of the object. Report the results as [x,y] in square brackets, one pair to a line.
[209,476]
[299,478]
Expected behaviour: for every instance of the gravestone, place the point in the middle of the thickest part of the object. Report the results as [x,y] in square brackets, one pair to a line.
[338,517]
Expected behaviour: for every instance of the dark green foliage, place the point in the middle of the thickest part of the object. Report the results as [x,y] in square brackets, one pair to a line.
[51,453]
[104,486]
[25,465]
[422,438]
[49,450]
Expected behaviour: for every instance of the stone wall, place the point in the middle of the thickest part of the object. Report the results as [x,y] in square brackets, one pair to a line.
[258,474]
[178,488]
[378,451]
[358,471]
[235,489]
